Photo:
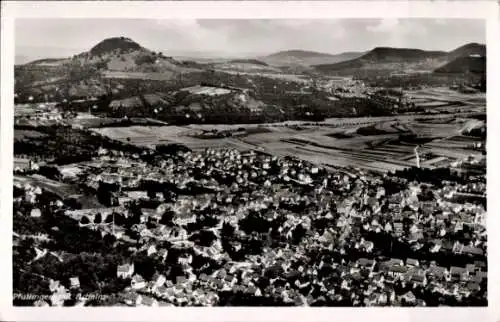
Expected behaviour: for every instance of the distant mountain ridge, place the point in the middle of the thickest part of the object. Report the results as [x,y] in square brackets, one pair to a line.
[298,57]
[391,59]
[464,65]
[89,72]
[299,53]
[400,54]
[467,50]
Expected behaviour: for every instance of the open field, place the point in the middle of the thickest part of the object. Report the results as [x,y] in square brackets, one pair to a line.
[206,90]
[444,97]
[280,76]
[27,134]
[146,136]
[62,190]
[166,75]
[379,144]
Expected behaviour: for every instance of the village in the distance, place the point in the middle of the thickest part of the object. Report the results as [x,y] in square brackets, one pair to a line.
[292,179]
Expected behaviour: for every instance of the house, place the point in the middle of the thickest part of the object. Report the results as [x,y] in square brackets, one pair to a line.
[395,200]
[185,260]
[163,253]
[125,271]
[398,229]
[397,271]
[393,262]
[473,287]
[147,301]
[138,282]
[372,299]
[151,250]
[180,280]
[416,236]
[161,291]
[381,298]
[480,265]
[74,282]
[54,285]
[473,251]
[231,280]
[158,280]
[447,245]
[365,263]
[470,268]
[367,246]
[480,276]
[412,262]
[457,247]
[203,279]
[418,279]
[437,272]
[436,246]
[458,273]
[35,212]
[409,298]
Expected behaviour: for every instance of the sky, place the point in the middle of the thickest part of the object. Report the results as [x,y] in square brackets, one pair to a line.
[42,38]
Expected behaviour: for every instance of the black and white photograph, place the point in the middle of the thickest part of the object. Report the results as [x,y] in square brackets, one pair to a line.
[249,162]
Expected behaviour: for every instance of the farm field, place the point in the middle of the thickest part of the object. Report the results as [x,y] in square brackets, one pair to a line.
[27,134]
[281,76]
[377,144]
[150,136]
[442,95]
[205,90]
[62,190]
[166,75]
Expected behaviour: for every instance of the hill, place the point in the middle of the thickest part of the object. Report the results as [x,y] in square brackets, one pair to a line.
[467,59]
[467,50]
[244,65]
[121,54]
[200,103]
[115,44]
[464,65]
[389,60]
[389,54]
[249,61]
[117,57]
[306,58]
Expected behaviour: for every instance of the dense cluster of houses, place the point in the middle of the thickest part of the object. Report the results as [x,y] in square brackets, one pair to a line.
[285,231]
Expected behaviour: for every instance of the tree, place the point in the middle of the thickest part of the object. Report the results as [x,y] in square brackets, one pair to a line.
[84,220]
[136,214]
[109,239]
[109,219]
[145,266]
[204,238]
[298,233]
[227,230]
[98,218]
[167,217]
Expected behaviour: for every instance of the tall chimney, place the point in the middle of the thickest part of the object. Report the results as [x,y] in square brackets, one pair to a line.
[417,156]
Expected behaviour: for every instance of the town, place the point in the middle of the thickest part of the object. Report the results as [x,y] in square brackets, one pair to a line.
[291,179]
[223,227]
